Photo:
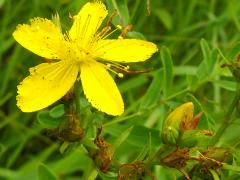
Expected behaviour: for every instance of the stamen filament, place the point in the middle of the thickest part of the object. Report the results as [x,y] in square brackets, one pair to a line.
[108,66]
[118,66]
[104,37]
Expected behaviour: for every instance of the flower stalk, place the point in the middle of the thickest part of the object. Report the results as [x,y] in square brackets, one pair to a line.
[77,95]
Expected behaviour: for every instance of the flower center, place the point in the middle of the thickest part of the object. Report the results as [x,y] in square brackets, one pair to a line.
[79,53]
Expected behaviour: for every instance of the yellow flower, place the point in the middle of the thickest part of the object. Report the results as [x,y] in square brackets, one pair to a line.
[82,51]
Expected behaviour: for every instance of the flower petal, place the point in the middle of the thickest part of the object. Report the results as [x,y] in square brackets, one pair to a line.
[100,89]
[87,22]
[46,84]
[42,37]
[125,50]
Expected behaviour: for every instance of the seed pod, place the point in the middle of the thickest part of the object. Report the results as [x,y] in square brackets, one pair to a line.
[134,171]
[103,155]
[216,155]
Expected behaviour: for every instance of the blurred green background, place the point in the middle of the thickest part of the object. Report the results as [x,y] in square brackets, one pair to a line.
[194,38]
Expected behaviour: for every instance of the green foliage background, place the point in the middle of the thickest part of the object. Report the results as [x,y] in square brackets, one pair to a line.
[194,38]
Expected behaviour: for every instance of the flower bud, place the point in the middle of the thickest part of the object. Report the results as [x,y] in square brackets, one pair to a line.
[172,126]
[192,138]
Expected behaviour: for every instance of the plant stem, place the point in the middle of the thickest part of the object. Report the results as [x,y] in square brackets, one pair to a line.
[77,93]
[227,118]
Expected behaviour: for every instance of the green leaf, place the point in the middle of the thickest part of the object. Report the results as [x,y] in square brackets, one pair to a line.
[166,59]
[197,105]
[146,150]
[2,149]
[214,174]
[231,56]
[231,167]
[120,6]
[206,52]
[228,85]
[207,66]
[231,134]
[2,3]
[5,98]
[8,70]
[122,137]
[45,173]
[136,35]
[15,154]
[57,111]
[108,175]
[154,91]
[46,120]
[28,167]
[132,83]
[165,17]
[139,135]
[64,147]
[185,70]
[93,174]
[8,174]
[143,153]
[77,160]
[83,102]
[202,71]
[87,142]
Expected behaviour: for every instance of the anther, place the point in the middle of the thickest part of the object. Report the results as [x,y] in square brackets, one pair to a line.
[126,68]
[127,29]
[119,26]
[120,75]
[70,16]
[113,71]
[111,18]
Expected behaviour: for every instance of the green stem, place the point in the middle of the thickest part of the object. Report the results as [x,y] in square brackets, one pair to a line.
[77,93]
[227,118]
[93,175]
[162,152]
[177,94]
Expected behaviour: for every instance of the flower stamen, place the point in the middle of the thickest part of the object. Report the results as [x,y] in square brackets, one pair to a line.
[109,34]
[126,30]
[108,66]
[125,69]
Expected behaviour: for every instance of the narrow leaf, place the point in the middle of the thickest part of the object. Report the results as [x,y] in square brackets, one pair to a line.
[165,17]
[45,173]
[166,59]
[206,52]
[121,8]
[121,138]
[214,174]
[231,167]
[153,93]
